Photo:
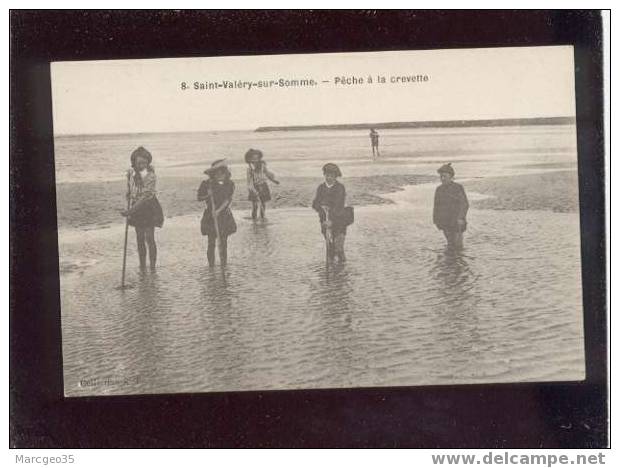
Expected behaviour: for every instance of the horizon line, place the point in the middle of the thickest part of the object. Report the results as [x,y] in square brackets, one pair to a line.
[427,123]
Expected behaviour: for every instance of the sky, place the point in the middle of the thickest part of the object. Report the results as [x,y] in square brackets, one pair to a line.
[140,96]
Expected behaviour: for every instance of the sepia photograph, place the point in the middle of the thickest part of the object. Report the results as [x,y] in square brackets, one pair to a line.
[318,221]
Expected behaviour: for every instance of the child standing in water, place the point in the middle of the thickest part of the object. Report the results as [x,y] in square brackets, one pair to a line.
[329,204]
[257,175]
[145,212]
[450,208]
[217,220]
[374,142]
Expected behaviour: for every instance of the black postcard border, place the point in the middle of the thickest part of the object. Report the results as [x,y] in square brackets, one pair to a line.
[569,415]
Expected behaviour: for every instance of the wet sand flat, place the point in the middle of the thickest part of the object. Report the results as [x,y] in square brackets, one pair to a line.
[554,191]
[92,204]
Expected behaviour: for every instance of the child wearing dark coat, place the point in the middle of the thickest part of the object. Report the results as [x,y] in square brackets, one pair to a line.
[450,208]
[329,204]
[217,193]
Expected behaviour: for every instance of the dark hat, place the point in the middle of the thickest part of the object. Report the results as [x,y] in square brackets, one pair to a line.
[140,152]
[447,168]
[331,167]
[219,164]
[251,153]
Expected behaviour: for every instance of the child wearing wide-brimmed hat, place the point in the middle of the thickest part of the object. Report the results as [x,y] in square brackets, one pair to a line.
[145,212]
[257,176]
[217,192]
[329,203]
[450,208]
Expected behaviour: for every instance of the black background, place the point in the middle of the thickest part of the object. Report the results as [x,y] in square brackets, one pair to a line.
[521,415]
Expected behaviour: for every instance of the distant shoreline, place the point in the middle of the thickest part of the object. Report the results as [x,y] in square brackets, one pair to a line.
[428,124]
[360,126]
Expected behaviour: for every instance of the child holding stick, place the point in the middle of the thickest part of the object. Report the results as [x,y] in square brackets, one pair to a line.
[145,212]
[329,204]
[217,220]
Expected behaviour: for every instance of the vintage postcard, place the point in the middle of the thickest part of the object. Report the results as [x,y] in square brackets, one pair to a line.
[396,218]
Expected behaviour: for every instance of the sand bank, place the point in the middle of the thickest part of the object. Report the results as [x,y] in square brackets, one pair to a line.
[550,191]
[93,205]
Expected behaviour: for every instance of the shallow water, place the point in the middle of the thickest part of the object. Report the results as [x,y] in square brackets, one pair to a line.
[401,311]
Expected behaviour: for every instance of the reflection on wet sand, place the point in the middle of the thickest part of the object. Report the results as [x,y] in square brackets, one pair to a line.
[222,346]
[454,278]
[153,336]
[455,321]
[333,289]
[333,293]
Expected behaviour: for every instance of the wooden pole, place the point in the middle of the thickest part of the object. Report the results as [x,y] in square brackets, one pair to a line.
[328,237]
[215,223]
[126,229]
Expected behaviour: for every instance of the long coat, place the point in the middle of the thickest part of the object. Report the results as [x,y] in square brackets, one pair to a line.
[450,205]
[334,198]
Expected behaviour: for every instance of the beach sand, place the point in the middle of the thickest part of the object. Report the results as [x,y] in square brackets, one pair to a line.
[549,191]
[94,205]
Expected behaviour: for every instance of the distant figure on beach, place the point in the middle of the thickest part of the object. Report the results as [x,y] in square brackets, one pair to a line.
[374,142]
[450,208]
[257,175]
[217,220]
[333,216]
[145,212]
